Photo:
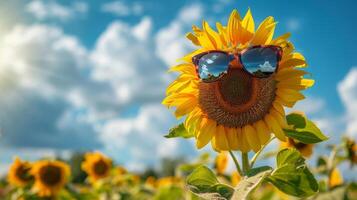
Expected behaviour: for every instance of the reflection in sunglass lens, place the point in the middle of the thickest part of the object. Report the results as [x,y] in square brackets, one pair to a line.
[261,61]
[213,65]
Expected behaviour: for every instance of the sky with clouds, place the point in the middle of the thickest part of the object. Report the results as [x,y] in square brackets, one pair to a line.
[85,75]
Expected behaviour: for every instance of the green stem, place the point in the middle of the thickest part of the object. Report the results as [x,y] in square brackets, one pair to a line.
[256,155]
[245,162]
[236,163]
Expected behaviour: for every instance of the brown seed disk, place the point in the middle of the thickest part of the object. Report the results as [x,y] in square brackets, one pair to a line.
[237,99]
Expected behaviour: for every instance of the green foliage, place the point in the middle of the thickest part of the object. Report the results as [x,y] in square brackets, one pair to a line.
[172,192]
[255,171]
[292,175]
[304,130]
[247,185]
[179,131]
[203,182]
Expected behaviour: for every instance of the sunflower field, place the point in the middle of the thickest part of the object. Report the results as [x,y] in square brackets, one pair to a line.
[235,95]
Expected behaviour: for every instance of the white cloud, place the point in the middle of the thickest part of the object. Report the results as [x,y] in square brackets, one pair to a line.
[170,41]
[52,10]
[293,24]
[122,58]
[121,8]
[347,89]
[70,97]
[311,105]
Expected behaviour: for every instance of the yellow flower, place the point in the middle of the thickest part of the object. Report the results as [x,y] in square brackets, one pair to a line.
[305,149]
[335,178]
[96,165]
[237,112]
[151,182]
[50,177]
[168,181]
[235,179]
[19,173]
[221,162]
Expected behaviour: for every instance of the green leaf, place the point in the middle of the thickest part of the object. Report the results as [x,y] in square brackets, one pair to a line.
[247,185]
[255,171]
[179,131]
[304,130]
[298,120]
[171,192]
[292,175]
[203,182]
[289,156]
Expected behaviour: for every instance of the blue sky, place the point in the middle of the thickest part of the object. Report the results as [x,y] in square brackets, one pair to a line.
[84,75]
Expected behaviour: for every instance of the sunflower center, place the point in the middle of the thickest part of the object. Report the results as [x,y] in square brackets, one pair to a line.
[100,168]
[22,172]
[51,175]
[237,99]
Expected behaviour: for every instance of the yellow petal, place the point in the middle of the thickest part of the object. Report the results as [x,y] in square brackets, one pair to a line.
[208,128]
[263,131]
[292,62]
[232,138]
[192,121]
[279,118]
[265,32]
[281,40]
[212,35]
[240,139]
[222,34]
[288,73]
[279,108]
[177,86]
[307,82]
[193,39]
[275,127]
[252,137]
[289,95]
[248,22]
[233,27]
[244,142]
[186,68]
[285,103]
[186,107]
[221,139]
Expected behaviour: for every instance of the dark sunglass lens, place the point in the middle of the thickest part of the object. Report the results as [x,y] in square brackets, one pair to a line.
[213,65]
[261,61]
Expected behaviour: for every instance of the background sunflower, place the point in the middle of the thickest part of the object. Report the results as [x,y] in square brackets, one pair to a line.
[50,177]
[238,112]
[19,173]
[96,165]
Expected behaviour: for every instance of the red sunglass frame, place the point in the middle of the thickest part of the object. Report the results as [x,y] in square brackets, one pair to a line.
[238,56]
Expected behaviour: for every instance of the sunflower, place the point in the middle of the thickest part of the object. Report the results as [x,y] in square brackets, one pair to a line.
[237,112]
[19,173]
[235,178]
[305,149]
[50,177]
[221,162]
[335,178]
[97,166]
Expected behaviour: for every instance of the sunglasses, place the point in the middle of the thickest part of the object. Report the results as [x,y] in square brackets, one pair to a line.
[259,61]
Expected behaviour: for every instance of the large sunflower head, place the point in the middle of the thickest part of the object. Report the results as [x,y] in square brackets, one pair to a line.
[50,177]
[238,111]
[305,149]
[19,173]
[96,165]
